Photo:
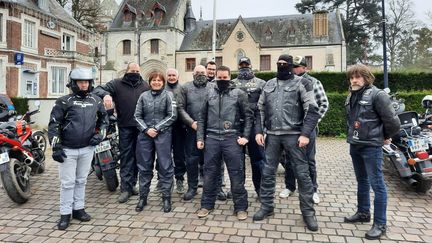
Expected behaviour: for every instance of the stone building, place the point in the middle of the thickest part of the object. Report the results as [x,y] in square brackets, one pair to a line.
[39,45]
[165,33]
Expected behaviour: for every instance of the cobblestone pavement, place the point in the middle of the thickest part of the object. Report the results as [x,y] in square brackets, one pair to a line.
[35,221]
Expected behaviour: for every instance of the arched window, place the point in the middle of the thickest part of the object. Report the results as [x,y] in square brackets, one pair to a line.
[240,54]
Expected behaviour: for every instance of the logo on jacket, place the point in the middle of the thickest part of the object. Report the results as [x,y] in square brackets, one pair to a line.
[227,125]
[82,104]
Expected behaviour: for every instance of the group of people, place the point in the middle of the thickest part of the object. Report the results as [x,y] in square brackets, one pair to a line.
[211,121]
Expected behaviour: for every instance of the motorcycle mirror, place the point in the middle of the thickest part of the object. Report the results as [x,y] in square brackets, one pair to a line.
[387,90]
[37,103]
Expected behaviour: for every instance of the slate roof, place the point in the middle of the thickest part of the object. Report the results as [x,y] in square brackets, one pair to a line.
[55,10]
[143,9]
[268,31]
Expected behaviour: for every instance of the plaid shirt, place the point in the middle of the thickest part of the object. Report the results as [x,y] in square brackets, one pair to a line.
[320,95]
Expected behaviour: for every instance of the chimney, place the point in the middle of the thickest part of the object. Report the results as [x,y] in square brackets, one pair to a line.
[320,23]
[43,5]
[189,19]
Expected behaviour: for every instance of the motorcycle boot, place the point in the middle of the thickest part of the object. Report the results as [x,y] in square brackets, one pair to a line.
[375,232]
[124,197]
[64,222]
[262,214]
[358,217]
[311,222]
[166,204]
[189,194]
[81,215]
[141,203]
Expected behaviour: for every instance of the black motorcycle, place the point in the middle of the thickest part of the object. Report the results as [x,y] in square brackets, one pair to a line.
[107,155]
[409,154]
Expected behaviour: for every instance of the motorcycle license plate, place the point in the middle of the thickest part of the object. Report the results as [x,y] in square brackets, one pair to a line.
[4,158]
[103,146]
[418,144]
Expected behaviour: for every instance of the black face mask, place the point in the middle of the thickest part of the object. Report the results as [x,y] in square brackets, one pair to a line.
[172,85]
[82,93]
[222,85]
[200,80]
[245,73]
[284,72]
[132,77]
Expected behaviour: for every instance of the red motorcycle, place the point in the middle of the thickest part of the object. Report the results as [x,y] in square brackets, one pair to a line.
[22,154]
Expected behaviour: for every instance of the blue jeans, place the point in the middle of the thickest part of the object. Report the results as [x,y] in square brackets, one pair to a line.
[73,178]
[367,161]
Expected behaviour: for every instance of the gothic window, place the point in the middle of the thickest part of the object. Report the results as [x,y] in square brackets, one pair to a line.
[240,54]
[154,46]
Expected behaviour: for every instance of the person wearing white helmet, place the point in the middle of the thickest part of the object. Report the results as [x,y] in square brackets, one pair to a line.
[77,124]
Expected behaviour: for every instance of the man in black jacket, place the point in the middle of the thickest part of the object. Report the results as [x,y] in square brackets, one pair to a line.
[190,102]
[125,93]
[372,122]
[77,123]
[178,132]
[252,85]
[224,126]
[289,114]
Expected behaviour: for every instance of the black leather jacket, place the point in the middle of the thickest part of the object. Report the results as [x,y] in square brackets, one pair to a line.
[287,107]
[370,117]
[253,88]
[191,100]
[74,120]
[156,110]
[225,113]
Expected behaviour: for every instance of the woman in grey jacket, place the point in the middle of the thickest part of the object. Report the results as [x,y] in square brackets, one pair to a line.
[155,113]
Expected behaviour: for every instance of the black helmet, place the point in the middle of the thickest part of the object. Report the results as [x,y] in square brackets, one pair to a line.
[80,74]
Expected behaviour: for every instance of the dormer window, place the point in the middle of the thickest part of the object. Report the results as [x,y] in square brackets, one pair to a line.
[129,13]
[158,13]
[320,23]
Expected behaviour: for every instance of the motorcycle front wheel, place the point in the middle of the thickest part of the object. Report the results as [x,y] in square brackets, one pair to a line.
[40,138]
[14,181]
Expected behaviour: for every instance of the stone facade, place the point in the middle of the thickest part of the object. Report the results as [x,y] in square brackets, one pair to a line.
[51,42]
[183,42]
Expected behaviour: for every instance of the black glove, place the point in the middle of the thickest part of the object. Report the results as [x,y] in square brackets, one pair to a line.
[96,139]
[58,153]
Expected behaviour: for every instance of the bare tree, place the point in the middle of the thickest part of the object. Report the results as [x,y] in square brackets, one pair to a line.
[86,12]
[400,25]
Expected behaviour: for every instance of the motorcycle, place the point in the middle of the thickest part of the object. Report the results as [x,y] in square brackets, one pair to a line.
[409,154]
[22,154]
[107,156]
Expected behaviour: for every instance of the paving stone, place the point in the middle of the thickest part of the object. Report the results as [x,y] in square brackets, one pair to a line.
[114,222]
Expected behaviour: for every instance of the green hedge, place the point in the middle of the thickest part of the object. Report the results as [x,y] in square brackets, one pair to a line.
[337,82]
[21,104]
[334,123]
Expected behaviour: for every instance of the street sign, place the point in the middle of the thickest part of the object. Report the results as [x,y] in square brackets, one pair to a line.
[19,58]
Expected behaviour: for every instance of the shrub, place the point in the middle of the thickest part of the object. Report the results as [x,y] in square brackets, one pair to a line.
[21,104]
